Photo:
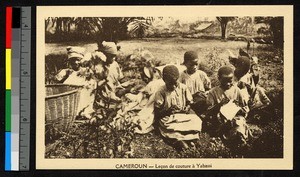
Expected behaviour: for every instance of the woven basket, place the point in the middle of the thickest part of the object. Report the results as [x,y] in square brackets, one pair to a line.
[61,105]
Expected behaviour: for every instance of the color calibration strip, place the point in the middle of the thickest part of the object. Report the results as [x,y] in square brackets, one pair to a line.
[17,95]
[8,155]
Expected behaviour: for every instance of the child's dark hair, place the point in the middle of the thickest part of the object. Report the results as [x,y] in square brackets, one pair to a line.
[170,72]
[225,70]
[189,56]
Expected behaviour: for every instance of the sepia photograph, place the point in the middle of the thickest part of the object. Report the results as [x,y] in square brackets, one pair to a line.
[172,87]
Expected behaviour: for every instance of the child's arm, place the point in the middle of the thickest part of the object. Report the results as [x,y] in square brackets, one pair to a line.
[207,83]
[158,105]
[213,106]
[62,75]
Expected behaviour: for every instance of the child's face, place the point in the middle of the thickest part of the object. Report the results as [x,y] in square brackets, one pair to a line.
[191,66]
[255,70]
[171,84]
[75,64]
[226,81]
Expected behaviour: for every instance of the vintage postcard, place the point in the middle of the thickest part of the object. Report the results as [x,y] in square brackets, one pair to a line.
[164,87]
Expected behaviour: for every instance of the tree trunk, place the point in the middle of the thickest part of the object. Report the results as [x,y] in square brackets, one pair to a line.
[223,30]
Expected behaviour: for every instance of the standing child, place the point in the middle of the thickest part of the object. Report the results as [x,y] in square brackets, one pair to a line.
[196,81]
[171,103]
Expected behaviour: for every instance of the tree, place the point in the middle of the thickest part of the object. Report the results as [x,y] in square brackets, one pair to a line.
[139,26]
[223,22]
[275,27]
[99,28]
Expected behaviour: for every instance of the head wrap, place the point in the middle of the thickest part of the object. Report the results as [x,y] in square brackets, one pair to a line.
[108,48]
[75,52]
[147,55]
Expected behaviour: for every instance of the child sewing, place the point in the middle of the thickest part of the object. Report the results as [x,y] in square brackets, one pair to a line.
[226,114]
[171,104]
[115,75]
[196,81]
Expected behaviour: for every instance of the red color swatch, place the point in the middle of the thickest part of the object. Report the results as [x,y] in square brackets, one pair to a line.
[8,27]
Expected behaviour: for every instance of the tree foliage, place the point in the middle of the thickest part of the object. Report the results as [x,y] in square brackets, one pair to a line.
[99,28]
[275,29]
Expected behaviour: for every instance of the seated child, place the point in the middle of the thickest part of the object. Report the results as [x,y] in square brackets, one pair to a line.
[258,98]
[78,75]
[243,77]
[196,81]
[248,77]
[216,123]
[171,106]
[260,105]
[115,76]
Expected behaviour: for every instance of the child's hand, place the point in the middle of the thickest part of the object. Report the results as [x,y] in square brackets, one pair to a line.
[241,85]
[174,109]
[187,109]
[224,101]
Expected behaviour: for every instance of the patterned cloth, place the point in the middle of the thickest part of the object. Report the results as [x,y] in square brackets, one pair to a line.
[195,82]
[177,126]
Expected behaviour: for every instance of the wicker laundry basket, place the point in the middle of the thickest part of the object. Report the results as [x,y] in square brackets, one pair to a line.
[61,105]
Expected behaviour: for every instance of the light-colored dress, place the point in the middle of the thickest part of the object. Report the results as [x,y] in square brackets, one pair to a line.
[195,82]
[87,96]
[248,80]
[115,74]
[177,126]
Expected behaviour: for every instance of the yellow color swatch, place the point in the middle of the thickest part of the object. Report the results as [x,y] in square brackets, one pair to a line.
[8,69]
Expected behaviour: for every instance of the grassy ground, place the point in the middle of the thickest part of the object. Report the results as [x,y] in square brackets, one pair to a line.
[212,54]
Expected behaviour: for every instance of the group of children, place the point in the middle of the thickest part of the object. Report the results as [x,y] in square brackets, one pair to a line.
[187,105]
[182,103]
[98,73]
